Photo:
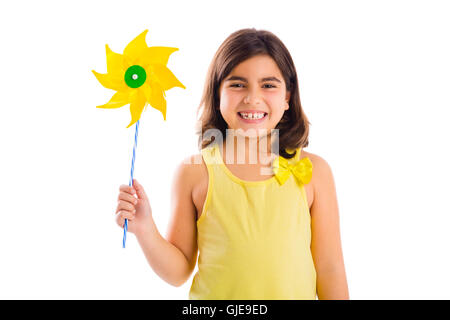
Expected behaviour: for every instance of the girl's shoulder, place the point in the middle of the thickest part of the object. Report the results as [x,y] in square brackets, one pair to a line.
[318,162]
[191,169]
[322,175]
[193,177]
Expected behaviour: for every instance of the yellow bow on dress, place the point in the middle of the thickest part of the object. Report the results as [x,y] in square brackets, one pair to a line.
[301,169]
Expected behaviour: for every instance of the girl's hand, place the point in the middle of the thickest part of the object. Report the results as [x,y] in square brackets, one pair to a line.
[136,209]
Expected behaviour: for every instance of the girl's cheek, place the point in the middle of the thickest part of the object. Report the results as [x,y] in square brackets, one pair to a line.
[231,98]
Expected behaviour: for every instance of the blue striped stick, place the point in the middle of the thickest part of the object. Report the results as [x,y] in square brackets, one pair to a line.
[131,180]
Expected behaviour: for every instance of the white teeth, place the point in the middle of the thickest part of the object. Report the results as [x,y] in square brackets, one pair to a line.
[252,116]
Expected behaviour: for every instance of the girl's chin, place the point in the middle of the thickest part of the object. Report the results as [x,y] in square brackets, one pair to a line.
[249,132]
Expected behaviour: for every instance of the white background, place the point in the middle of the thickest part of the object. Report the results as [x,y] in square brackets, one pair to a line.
[374,82]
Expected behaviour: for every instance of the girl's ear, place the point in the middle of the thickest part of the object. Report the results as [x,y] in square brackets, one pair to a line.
[288,97]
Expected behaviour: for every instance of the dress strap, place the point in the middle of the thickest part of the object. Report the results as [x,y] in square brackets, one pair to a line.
[297,154]
[210,154]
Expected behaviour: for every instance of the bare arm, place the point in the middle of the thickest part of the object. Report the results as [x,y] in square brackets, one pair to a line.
[168,262]
[326,242]
[174,259]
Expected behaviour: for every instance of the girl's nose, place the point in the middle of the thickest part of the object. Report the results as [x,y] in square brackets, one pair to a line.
[252,98]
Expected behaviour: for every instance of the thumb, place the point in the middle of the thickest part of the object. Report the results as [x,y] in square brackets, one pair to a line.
[139,190]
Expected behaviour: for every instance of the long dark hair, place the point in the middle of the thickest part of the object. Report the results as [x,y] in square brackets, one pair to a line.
[239,46]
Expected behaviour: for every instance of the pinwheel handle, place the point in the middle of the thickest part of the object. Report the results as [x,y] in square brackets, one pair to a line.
[125,227]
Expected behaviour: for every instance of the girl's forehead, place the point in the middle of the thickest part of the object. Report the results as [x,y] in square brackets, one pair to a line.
[259,64]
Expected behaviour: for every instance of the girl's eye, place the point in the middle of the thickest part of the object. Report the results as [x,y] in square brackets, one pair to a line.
[238,84]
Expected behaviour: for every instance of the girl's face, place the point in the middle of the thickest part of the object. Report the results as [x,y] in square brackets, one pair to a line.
[253,95]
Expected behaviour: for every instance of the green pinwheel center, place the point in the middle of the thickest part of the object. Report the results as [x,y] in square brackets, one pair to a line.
[135,76]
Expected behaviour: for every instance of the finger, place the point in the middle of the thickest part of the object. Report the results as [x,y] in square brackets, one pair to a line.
[127,189]
[127,215]
[139,190]
[126,206]
[127,197]
[120,218]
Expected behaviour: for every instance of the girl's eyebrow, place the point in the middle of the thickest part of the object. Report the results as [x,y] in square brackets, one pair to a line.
[260,80]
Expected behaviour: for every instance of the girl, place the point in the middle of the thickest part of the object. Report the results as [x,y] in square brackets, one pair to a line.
[261,211]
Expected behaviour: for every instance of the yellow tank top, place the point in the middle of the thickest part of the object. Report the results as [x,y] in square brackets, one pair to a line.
[253,237]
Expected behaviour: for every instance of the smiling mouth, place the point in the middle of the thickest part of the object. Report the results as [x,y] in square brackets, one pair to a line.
[252,117]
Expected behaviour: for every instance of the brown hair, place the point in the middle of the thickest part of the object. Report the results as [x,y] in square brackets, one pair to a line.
[239,46]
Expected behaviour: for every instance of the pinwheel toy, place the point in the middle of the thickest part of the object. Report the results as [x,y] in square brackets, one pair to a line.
[140,77]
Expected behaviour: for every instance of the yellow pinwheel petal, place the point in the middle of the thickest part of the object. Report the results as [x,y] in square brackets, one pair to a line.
[146,90]
[156,97]
[136,107]
[119,99]
[165,77]
[115,63]
[158,55]
[136,50]
[111,82]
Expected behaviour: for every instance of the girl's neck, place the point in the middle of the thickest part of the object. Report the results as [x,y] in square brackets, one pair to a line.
[239,149]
